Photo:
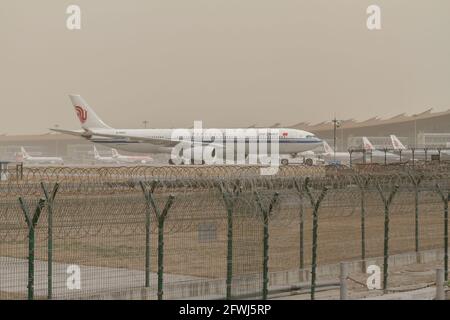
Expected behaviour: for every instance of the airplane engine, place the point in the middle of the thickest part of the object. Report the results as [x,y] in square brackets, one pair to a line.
[199,155]
[309,162]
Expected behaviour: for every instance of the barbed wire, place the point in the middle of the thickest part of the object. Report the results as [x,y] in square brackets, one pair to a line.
[120,173]
[110,200]
[99,215]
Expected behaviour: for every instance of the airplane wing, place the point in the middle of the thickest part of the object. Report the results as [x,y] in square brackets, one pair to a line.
[156,141]
[79,133]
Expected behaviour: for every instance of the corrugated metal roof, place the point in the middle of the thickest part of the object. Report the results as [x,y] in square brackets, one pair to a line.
[375,121]
[321,126]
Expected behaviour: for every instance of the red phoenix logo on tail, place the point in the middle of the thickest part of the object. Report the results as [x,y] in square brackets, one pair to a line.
[81,113]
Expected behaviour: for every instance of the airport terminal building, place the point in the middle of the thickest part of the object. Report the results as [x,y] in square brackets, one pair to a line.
[427,128]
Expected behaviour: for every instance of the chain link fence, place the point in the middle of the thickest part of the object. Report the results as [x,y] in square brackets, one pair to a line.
[213,232]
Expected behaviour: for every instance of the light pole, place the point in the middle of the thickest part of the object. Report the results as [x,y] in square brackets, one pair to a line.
[56,141]
[415,133]
[145,122]
[336,124]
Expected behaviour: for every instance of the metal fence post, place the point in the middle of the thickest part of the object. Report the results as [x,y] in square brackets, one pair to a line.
[363,230]
[416,217]
[302,236]
[446,237]
[31,223]
[266,256]
[387,203]
[229,252]
[343,280]
[161,216]
[299,189]
[350,153]
[19,171]
[266,213]
[315,205]
[362,184]
[416,182]
[229,200]
[440,293]
[445,198]
[50,198]
[147,194]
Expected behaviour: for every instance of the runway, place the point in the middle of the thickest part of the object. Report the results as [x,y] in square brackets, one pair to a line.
[94,280]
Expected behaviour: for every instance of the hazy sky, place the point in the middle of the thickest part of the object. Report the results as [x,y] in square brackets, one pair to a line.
[226,62]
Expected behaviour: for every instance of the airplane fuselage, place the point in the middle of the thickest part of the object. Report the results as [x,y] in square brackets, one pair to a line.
[342,157]
[291,141]
[43,160]
[105,159]
[133,159]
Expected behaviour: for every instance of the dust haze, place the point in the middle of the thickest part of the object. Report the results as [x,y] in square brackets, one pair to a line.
[228,63]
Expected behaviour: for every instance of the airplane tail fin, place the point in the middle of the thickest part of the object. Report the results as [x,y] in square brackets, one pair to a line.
[87,116]
[114,152]
[327,147]
[24,153]
[396,143]
[367,145]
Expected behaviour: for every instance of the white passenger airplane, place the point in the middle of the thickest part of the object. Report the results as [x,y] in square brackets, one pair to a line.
[396,143]
[291,141]
[118,158]
[342,157]
[104,159]
[39,160]
[419,153]
[130,159]
[378,155]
